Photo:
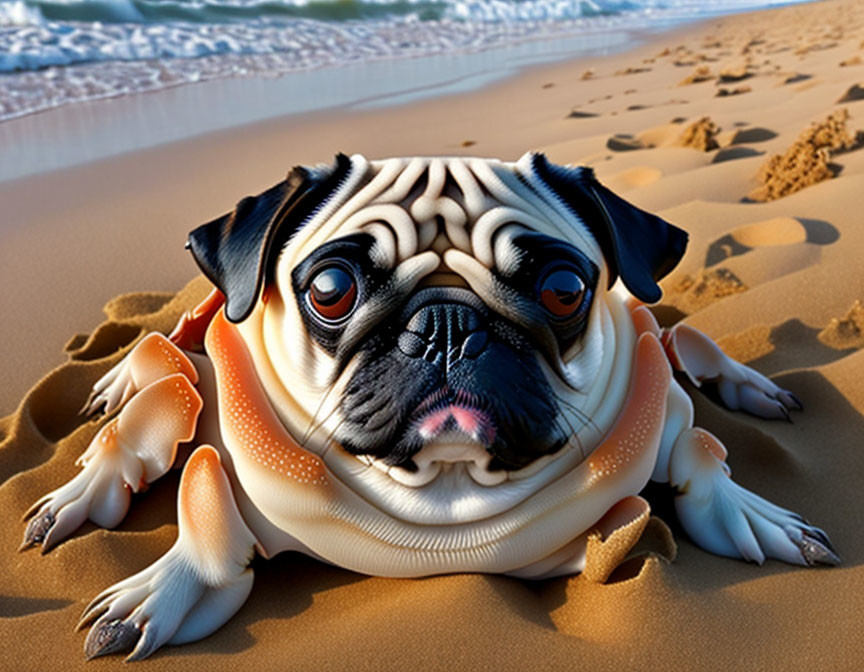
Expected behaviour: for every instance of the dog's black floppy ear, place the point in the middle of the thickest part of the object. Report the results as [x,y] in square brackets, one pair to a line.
[638,246]
[237,251]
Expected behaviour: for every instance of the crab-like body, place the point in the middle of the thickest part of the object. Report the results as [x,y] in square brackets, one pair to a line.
[267,475]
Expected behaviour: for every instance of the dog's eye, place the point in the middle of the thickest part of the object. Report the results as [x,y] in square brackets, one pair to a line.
[332,293]
[561,292]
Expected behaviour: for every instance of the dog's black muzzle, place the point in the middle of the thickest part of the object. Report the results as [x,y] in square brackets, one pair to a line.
[446,350]
[446,326]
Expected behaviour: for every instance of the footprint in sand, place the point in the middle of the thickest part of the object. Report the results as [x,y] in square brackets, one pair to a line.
[698,135]
[749,256]
[722,92]
[622,142]
[776,232]
[581,114]
[795,78]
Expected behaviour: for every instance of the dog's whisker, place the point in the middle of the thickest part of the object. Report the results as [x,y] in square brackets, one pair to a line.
[312,426]
[574,434]
[313,430]
[578,413]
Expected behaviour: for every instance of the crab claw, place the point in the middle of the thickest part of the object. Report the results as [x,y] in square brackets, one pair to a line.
[195,587]
[739,386]
[726,519]
[153,358]
[136,447]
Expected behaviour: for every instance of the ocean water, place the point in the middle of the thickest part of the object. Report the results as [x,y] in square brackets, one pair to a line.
[54,52]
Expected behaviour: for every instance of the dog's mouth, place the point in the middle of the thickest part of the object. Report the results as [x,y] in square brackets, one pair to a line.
[448,413]
[455,430]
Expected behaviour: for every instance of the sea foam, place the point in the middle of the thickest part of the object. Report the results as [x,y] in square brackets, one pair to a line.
[59,51]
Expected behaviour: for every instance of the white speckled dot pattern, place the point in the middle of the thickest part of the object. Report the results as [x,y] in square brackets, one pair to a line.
[245,412]
[644,416]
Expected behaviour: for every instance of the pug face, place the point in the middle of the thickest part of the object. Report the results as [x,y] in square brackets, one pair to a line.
[441,330]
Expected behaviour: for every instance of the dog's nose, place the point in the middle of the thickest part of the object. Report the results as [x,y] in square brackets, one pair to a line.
[444,334]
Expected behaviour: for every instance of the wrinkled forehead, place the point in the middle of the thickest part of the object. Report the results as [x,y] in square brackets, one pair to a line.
[410,203]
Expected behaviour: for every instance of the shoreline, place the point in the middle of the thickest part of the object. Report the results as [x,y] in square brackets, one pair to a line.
[79,132]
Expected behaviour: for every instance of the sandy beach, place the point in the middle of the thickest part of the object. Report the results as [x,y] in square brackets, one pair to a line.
[746,130]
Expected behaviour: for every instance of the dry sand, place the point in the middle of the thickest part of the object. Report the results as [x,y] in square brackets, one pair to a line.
[775,282]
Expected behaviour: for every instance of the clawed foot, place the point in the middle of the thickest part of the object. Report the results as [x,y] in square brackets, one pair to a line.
[758,397]
[738,523]
[739,386]
[131,450]
[100,492]
[154,358]
[724,518]
[111,391]
[191,590]
[170,602]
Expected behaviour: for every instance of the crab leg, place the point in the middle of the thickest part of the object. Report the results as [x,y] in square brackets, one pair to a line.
[724,518]
[195,587]
[135,448]
[190,330]
[739,386]
[153,358]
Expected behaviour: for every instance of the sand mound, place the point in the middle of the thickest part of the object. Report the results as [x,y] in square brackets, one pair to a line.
[695,292]
[806,162]
[632,71]
[701,135]
[735,73]
[847,332]
[777,231]
[701,74]
[853,94]
[747,345]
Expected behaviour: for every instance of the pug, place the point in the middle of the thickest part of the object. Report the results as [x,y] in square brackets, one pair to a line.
[409,367]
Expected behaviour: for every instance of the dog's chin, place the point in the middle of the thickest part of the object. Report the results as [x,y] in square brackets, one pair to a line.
[453,456]
[451,484]
[450,451]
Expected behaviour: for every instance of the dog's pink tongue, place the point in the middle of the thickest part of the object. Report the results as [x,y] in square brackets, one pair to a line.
[469,421]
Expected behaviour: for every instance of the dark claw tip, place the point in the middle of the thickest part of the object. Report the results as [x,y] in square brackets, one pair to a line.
[818,551]
[113,636]
[795,399]
[37,529]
